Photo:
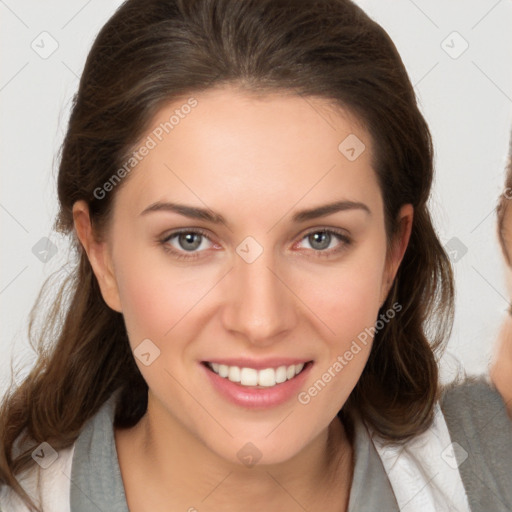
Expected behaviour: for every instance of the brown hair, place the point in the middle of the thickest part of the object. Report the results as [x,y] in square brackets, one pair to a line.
[504,228]
[153,51]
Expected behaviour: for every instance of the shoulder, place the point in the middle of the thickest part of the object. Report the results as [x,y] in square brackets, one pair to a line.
[47,482]
[475,404]
[481,433]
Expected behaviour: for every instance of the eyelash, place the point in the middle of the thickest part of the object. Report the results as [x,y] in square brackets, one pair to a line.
[191,256]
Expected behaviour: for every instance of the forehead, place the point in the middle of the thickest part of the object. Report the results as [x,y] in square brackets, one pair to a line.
[252,149]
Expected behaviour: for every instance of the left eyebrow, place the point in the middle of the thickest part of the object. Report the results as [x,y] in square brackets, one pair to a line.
[328,209]
[195,212]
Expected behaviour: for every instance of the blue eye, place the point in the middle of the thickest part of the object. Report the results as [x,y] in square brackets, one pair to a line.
[322,239]
[189,242]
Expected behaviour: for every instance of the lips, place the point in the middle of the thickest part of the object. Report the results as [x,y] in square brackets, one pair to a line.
[248,395]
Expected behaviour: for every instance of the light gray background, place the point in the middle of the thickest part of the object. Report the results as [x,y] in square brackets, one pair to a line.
[466,99]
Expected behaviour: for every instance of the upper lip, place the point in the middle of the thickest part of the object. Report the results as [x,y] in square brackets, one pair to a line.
[258,364]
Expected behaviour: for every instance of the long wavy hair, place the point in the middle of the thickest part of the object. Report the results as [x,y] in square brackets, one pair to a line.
[151,52]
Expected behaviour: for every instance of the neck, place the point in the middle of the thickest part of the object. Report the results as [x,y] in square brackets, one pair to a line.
[170,458]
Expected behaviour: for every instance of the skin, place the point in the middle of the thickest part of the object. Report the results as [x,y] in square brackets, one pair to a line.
[500,368]
[501,364]
[234,153]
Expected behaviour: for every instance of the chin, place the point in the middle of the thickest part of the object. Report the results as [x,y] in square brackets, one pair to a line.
[260,451]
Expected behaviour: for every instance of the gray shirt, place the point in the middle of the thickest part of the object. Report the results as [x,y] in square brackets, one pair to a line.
[475,415]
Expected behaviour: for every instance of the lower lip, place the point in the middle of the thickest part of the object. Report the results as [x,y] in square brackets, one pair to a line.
[257,398]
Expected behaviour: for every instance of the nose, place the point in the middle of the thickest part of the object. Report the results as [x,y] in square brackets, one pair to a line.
[260,305]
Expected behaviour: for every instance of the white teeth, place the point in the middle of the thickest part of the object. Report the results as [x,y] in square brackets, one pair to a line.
[234,374]
[267,377]
[281,374]
[248,377]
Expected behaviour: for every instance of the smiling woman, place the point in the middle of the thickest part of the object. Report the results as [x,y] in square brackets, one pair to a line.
[272,244]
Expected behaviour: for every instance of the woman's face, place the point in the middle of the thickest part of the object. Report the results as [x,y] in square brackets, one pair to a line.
[273,284]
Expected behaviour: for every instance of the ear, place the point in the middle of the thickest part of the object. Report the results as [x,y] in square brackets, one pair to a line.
[397,250]
[99,255]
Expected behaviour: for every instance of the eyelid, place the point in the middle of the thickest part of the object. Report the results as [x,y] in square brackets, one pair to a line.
[180,231]
[345,240]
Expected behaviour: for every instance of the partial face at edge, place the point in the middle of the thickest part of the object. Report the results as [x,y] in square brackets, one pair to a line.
[505,233]
[259,284]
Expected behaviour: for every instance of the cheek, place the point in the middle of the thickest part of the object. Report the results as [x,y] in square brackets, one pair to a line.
[158,301]
[346,297]
[155,294]
[348,306]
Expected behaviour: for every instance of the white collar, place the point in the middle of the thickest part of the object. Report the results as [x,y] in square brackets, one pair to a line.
[424,471]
